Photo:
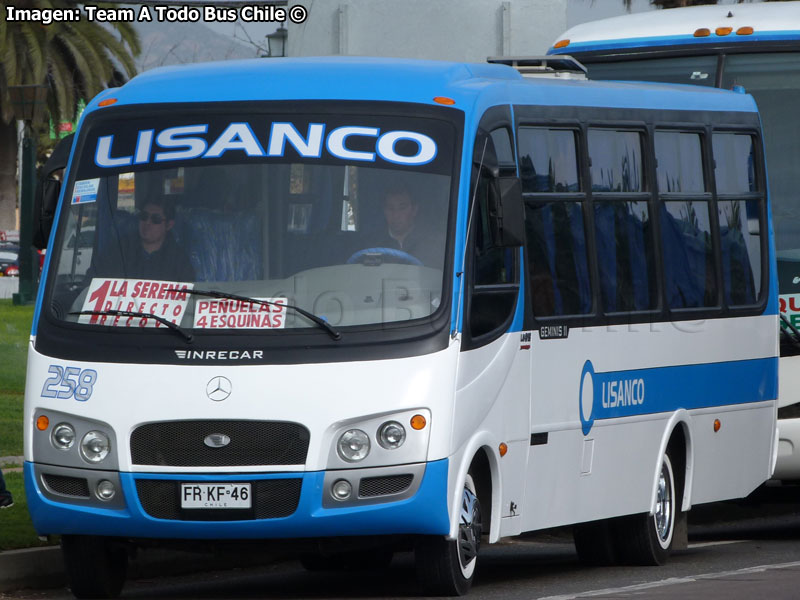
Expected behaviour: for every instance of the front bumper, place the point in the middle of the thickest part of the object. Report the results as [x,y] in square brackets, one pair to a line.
[424,512]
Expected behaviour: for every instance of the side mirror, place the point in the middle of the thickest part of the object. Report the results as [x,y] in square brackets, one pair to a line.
[506,213]
[48,190]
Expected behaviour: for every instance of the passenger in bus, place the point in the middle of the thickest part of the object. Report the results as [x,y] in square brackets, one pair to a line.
[151,252]
[400,209]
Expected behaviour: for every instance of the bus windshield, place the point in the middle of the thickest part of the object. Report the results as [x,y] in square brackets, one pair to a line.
[342,216]
[773,79]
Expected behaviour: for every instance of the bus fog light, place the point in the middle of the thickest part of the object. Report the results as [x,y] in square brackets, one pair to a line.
[63,436]
[95,446]
[341,490]
[353,445]
[105,490]
[391,435]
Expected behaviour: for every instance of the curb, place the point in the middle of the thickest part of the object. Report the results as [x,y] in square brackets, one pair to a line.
[31,568]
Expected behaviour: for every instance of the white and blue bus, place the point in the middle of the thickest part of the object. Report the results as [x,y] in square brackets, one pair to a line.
[358,306]
[756,46]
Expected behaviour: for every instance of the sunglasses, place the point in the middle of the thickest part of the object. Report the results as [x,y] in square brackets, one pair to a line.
[154,218]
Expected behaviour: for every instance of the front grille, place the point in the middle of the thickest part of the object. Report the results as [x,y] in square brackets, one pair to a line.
[67,486]
[180,444]
[272,499]
[384,486]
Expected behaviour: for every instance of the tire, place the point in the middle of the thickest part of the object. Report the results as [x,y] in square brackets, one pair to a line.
[447,567]
[647,539]
[96,567]
[596,543]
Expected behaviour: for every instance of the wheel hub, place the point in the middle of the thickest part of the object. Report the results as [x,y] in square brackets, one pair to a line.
[469,529]
[663,511]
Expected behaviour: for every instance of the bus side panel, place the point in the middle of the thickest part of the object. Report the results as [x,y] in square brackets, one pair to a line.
[492,395]
[576,478]
[735,460]
[601,404]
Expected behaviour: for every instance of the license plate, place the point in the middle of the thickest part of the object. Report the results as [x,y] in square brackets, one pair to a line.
[215,495]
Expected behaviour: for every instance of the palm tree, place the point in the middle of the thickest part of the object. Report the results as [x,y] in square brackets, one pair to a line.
[75,59]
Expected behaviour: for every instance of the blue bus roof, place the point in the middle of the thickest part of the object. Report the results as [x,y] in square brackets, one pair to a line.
[473,86]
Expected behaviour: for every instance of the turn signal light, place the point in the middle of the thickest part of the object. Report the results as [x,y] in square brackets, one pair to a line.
[42,423]
[503,448]
[418,422]
[717,425]
[702,32]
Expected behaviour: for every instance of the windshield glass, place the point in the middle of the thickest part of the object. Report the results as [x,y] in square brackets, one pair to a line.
[774,81]
[694,70]
[343,216]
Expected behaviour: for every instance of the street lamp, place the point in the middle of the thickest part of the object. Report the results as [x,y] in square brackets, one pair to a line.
[27,104]
[276,41]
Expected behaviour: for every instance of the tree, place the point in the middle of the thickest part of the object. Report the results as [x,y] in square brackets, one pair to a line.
[76,59]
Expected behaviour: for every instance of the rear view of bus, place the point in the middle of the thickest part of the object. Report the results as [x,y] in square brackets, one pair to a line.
[756,46]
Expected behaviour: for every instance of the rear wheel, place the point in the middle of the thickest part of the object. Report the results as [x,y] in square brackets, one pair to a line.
[96,566]
[647,539]
[447,567]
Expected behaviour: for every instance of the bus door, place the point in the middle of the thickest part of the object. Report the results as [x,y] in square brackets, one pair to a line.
[493,383]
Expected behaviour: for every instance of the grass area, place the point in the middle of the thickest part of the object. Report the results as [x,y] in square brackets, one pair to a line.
[16,530]
[15,328]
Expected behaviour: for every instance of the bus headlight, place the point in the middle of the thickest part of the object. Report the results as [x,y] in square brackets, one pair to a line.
[95,446]
[353,445]
[63,436]
[391,435]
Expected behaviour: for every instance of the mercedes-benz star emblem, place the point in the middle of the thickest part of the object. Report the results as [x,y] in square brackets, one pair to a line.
[219,388]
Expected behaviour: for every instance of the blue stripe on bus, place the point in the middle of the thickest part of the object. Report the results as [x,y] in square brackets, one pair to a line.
[424,513]
[672,40]
[615,394]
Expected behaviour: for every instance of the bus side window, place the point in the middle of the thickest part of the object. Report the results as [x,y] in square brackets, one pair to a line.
[558,270]
[739,209]
[623,232]
[685,220]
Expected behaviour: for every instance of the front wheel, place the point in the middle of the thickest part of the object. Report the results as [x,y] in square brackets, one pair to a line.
[647,539]
[447,567]
[96,567]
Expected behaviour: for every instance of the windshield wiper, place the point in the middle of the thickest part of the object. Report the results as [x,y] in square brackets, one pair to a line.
[310,316]
[127,313]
